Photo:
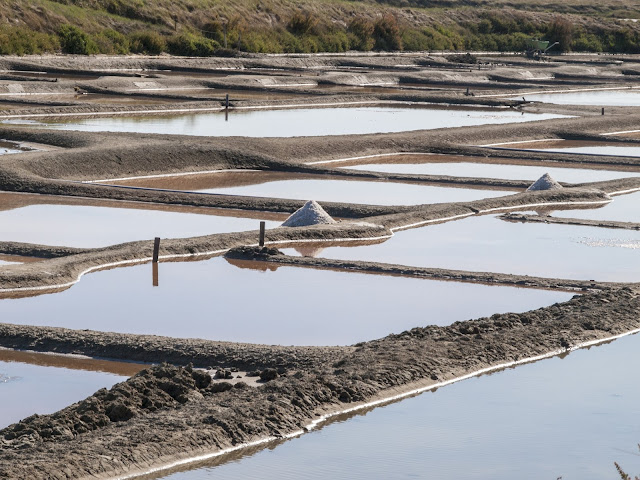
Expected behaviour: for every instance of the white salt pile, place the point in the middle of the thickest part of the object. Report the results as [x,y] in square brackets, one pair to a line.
[545,182]
[310,214]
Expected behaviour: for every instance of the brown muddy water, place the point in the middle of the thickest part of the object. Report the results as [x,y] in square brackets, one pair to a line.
[612,98]
[567,417]
[470,167]
[315,187]
[300,121]
[98,225]
[32,383]
[488,244]
[264,303]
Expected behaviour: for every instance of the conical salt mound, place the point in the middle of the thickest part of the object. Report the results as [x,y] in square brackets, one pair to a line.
[310,214]
[545,182]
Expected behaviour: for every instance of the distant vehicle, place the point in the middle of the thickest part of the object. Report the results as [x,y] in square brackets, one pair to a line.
[538,48]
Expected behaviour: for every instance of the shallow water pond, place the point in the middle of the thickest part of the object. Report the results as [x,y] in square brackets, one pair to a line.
[567,418]
[216,300]
[483,169]
[612,98]
[624,208]
[94,225]
[301,122]
[320,188]
[27,388]
[581,147]
[487,244]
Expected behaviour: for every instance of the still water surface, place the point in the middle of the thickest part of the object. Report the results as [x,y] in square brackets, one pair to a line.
[501,171]
[95,226]
[27,388]
[617,98]
[487,244]
[302,122]
[215,300]
[624,208]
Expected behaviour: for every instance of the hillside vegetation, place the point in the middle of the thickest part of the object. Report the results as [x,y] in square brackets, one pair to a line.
[206,27]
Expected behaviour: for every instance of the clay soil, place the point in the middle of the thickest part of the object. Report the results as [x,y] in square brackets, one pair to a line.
[175,411]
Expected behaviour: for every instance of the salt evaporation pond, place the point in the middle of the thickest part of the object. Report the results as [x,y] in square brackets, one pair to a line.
[320,188]
[579,147]
[487,244]
[301,122]
[209,299]
[612,98]
[483,169]
[27,388]
[565,417]
[97,226]
[624,208]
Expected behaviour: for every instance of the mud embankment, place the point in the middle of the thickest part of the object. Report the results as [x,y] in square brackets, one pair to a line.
[189,417]
[521,217]
[275,257]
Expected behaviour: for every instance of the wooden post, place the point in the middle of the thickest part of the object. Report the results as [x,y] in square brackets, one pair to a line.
[156,249]
[602,110]
[261,241]
[226,101]
[155,274]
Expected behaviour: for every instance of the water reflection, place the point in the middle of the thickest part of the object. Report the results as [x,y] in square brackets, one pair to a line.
[613,98]
[624,208]
[302,122]
[497,170]
[318,187]
[296,306]
[49,221]
[486,244]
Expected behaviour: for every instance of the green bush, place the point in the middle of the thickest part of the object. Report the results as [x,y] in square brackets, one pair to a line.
[20,41]
[149,42]
[75,41]
[361,34]
[301,23]
[112,42]
[188,44]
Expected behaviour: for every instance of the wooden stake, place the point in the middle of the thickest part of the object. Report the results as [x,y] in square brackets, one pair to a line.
[261,241]
[602,110]
[155,273]
[156,249]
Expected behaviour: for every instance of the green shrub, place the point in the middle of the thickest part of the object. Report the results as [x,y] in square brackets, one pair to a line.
[75,41]
[20,41]
[361,34]
[149,42]
[112,42]
[188,44]
[301,23]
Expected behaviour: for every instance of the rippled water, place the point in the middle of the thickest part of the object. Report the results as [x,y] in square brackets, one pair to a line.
[301,122]
[568,418]
[218,301]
